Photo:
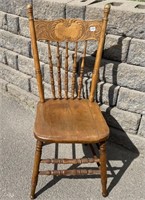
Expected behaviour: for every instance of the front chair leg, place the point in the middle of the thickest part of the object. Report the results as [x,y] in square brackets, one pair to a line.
[36,168]
[103,168]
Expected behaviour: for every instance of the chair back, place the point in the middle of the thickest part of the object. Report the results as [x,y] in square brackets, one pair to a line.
[67,81]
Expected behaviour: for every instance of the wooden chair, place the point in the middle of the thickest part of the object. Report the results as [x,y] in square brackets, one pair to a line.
[64,118]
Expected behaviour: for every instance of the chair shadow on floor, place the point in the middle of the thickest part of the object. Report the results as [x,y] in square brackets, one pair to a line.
[115,153]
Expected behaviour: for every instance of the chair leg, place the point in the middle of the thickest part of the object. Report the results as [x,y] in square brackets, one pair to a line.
[103,168]
[36,168]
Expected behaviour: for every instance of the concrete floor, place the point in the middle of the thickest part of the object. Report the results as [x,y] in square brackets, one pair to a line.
[126,170]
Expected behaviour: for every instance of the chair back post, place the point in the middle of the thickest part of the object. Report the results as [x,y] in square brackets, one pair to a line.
[35,53]
[95,75]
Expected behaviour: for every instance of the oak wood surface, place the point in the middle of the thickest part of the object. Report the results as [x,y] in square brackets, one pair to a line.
[70,172]
[67,30]
[70,121]
[70,161]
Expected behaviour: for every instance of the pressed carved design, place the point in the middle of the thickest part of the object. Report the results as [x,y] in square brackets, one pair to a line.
[67,30]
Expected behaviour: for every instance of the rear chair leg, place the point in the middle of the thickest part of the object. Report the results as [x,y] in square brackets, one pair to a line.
[36,168]
[103,168]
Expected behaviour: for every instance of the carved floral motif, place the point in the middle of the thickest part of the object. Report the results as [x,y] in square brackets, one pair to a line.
[67,30]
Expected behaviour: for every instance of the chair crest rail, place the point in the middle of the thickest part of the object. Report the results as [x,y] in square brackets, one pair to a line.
[71,30]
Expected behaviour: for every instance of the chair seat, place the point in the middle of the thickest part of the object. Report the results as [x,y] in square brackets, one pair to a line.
[70,121]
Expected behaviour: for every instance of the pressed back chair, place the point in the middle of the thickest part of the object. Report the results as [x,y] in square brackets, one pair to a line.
[64,118]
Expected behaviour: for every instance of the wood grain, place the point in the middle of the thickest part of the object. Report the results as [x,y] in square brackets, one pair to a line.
[67,30]
[58,71]
[66,71]
[74,71]
[70,172]
[68,120]
[70,161]
[82,71]
[51,70]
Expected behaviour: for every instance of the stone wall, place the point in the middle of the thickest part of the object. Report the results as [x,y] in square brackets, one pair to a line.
[121,90]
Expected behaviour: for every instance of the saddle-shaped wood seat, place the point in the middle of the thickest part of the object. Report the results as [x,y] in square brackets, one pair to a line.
[70,121]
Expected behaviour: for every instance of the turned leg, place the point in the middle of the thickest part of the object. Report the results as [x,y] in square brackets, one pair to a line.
[103,168]
[36,168]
